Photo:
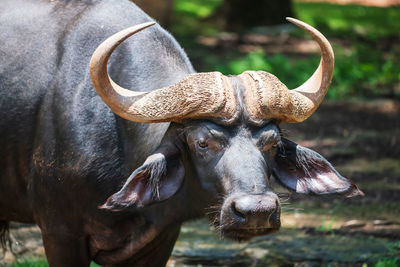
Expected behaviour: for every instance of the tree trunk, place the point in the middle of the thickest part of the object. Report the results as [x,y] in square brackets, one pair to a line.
[240,14]
[161,10]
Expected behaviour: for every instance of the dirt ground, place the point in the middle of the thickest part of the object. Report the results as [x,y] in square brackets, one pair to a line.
[361,139]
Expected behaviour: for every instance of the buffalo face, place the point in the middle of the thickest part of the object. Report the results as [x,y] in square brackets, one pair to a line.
[235,163]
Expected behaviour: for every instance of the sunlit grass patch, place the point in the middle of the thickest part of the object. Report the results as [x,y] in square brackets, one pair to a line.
[390,262]
[37,263]
[30,263]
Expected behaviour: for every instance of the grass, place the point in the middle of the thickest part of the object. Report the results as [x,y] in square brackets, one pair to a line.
[37,263]
[366,65]
[30,263]
[326,227]
[387,263]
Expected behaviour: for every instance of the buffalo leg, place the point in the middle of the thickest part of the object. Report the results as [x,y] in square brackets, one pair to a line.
[65,250]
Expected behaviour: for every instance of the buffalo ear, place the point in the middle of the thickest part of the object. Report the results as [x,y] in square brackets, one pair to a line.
[159,178]
[305,171]
[156,180]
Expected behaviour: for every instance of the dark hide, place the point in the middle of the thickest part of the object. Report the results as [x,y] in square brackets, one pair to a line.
[108,190]
[305,171]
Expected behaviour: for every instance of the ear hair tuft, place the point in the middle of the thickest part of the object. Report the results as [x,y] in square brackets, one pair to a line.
[156,164]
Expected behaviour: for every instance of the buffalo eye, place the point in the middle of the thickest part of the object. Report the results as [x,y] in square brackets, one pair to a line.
[269,144]
[268,147]
[201,143]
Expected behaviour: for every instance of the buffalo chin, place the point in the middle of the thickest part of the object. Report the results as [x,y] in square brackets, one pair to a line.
[241,234]
[245,234]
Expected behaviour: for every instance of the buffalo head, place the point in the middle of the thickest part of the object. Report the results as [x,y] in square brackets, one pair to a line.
[225,134]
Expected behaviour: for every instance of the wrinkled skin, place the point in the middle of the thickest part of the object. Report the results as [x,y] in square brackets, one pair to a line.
[105,189]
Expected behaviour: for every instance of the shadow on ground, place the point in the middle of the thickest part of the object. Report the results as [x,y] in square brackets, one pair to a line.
[362,140]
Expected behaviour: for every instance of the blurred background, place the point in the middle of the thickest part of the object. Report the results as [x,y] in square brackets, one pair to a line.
[357,128]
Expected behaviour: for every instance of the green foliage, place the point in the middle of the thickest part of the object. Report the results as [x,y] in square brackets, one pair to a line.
[394,248]
[278,64]
[366,69]
[366,64]
[362,73]
[350,20]
[387,263]
[333,20]
[196,9]
[189,13]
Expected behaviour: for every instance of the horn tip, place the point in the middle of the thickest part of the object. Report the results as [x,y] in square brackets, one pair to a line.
[147,24]
[294,21]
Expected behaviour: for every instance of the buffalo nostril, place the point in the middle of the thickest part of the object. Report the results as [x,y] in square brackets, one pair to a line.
[274,210]
[239,215]
[274,219]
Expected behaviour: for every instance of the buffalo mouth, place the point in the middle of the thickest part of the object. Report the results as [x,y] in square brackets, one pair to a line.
[244,234]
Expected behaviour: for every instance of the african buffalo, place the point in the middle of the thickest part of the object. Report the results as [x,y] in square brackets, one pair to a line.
[110,176]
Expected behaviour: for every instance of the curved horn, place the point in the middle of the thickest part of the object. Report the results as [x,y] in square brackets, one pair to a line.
[310,94]
[116,97]
[195,96]
[267,97]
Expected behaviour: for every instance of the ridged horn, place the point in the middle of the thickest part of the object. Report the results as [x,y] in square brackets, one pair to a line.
[312,92]
[198,95]
[266,97]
